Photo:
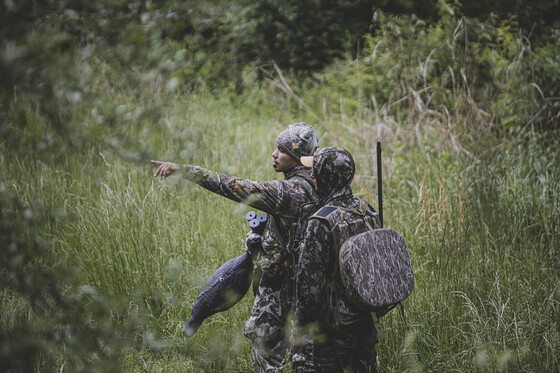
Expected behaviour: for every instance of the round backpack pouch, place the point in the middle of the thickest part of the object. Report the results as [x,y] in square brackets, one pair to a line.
[376,269]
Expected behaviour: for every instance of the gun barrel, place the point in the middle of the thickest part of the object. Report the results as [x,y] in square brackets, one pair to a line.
[379,182]
[257,222]
[250,215]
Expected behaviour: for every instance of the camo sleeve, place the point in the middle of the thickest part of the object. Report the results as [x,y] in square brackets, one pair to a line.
[313,273]
[280,197]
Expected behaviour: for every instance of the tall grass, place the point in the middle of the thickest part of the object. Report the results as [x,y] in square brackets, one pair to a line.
[480,211]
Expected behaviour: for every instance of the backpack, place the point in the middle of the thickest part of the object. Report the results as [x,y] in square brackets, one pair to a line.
[374,267]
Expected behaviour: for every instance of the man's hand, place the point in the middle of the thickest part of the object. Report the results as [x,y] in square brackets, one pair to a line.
[253,242]
[165,168]
[299,357]
[298,362]
[246,248]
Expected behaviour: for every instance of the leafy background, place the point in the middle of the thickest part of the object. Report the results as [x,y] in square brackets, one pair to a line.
[101,262]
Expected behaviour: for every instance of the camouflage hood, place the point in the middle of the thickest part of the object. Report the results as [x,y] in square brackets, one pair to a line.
[334,170]
[299,139]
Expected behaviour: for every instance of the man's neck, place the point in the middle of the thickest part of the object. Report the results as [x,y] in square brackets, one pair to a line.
[292,171]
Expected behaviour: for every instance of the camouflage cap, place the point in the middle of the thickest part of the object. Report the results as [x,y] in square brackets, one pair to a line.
[299,139]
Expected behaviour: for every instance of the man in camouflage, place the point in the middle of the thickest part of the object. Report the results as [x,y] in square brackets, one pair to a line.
[288,204]
[343,337]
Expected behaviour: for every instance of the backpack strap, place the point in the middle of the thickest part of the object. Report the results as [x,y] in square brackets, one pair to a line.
[322,214]
[377,326]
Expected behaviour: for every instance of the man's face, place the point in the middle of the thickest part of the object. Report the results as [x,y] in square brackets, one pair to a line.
[282,161]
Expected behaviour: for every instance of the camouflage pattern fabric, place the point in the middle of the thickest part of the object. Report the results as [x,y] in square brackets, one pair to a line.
[267,327]
[334,171]
[343,336]
[351,348]
[298,140]
[375,267]
[288,204]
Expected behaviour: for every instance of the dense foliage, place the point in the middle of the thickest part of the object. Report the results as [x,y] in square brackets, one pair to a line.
[100,264]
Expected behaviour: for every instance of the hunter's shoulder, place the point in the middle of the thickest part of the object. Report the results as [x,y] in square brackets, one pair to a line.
[317,226]
[301,175]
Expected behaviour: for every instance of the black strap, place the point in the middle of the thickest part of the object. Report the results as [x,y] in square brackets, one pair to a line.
[403,315]
[325,211]
[377,326]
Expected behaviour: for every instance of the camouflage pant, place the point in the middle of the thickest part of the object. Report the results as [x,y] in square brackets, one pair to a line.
[267,328]
[350,349]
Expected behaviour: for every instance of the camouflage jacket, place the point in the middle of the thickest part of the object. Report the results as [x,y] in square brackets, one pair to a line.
[318,294]
[288,204]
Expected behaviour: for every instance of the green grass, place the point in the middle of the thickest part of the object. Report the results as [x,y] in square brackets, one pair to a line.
[480,211]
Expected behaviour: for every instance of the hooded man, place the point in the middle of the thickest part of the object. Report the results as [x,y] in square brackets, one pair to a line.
[343,337]
[288,203]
